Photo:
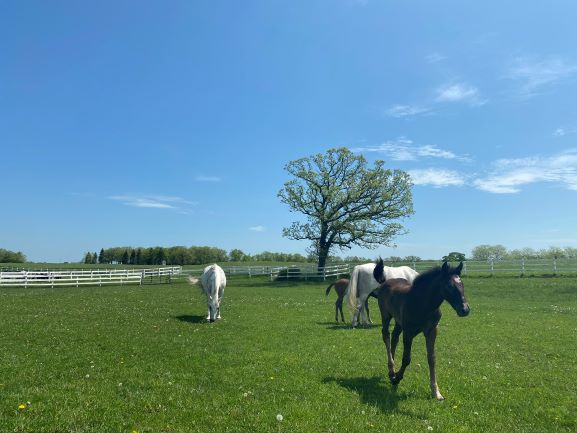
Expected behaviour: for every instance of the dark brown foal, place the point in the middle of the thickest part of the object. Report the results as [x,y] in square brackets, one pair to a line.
[416,309]
[341,288]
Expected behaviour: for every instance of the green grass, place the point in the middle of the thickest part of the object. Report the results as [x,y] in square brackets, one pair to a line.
[142,358]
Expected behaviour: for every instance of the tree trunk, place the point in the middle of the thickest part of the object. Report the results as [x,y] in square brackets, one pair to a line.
[323,255]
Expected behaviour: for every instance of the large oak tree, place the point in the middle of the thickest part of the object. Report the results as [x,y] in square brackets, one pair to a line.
[345,203]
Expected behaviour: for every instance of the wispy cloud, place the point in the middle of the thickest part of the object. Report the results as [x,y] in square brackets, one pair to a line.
[152,201]
[404,149]
[434,58]
[460,92]
[563,131]
[508,176]
[535,74]
[207,179]
[257,228]
[437,178]
[399,111]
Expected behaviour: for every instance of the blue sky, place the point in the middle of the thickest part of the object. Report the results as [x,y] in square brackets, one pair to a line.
[138,123]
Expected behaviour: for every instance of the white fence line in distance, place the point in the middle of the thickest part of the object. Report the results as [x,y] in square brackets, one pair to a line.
[470,267]
[84,277]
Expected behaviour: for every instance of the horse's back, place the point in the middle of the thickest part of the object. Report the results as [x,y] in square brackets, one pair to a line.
[395,287]
[341,286]
[213,278]
[365,279]
[400,272]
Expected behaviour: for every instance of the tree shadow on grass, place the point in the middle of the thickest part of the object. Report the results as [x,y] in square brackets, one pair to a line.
[192,319]
[372,391]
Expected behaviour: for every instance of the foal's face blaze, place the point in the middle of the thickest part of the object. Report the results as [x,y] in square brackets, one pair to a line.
[455,295]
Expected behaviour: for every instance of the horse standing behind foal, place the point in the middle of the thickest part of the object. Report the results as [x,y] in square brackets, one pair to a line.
[212,282]
[363,283]
[416,309]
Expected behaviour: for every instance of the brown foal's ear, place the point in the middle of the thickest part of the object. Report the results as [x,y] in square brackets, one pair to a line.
[445,267]
[459,269]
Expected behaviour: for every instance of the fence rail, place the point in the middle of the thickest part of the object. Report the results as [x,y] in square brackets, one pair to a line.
[82,277]
[303,271]
[310,271]
[79,277]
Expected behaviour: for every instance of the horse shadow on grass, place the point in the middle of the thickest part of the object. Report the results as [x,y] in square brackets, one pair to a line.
[372,391]
[343,326]
[191,319]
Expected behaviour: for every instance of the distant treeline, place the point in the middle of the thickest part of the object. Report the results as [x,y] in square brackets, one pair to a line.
[7,256]
[180,255]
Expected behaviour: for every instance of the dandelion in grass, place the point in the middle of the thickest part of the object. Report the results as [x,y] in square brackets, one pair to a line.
[279,417]
[22,407]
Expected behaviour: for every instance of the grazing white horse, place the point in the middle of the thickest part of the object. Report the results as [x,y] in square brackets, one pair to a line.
[362,284]
[212,281]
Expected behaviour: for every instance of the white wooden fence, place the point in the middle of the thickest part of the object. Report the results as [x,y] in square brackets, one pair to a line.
[99,277]
[84,277]
[310,271]
[304,271]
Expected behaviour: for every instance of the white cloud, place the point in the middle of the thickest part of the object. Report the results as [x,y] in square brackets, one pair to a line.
[404,149]
[151,201]
[257,228]
[399,111]
[437,178]
[434,58]
[208,179]
[508,176]
[562,132]
[459,92]
[534,74]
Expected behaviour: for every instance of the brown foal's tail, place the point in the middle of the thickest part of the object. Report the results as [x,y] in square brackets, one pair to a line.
[329,289]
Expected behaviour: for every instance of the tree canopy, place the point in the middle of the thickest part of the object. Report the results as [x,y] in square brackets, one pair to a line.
[7,256]
[344,202]
[454,257]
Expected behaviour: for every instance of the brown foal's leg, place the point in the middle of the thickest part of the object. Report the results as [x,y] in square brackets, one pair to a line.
[387,341]
[339,307]
[396,333]
[430,337]
[407,344]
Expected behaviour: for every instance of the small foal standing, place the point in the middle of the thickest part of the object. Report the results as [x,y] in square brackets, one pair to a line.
[416,309]
[212,281]
[341,289]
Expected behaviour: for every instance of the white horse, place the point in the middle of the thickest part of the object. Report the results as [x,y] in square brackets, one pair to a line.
[212,281]
[363,283]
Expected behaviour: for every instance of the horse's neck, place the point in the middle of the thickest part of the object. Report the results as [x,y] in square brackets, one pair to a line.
[429,294]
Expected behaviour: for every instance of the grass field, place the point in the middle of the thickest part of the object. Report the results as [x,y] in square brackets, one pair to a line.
[142,358]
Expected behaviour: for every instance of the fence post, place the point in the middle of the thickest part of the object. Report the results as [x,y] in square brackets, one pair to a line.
[523,266]
[555,266]
[492,267]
